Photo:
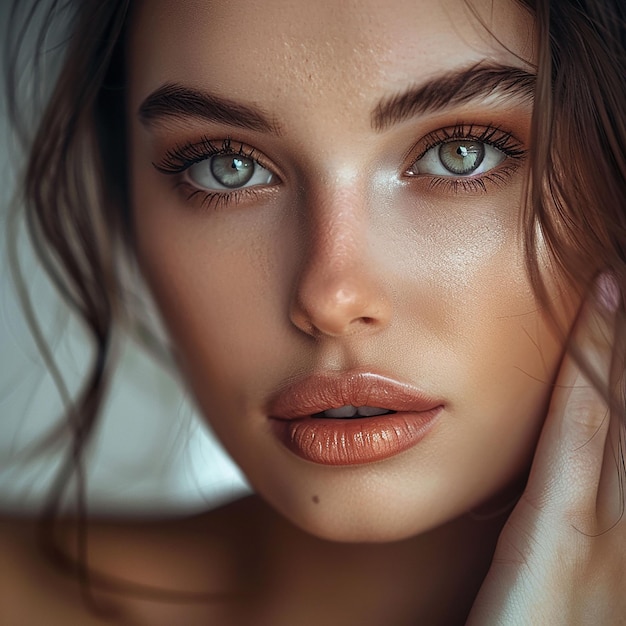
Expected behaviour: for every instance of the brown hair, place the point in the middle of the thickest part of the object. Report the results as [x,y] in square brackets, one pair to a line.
[578,154]
[576,203]
[75,187]
[74,197]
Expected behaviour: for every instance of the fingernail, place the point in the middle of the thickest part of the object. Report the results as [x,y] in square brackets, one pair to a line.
[608,292]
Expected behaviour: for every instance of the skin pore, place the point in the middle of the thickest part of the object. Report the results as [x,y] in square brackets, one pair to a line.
[352,250]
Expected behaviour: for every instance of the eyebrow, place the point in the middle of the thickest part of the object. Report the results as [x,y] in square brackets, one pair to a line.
[173,100]
[452,89]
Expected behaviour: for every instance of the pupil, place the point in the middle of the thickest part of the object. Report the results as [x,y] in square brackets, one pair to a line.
[232,171]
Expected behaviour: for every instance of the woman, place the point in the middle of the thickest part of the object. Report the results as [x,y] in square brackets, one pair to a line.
[388,245]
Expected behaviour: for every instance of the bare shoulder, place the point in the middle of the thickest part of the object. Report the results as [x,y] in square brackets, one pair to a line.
[18,566]
[134,567]
[32,591]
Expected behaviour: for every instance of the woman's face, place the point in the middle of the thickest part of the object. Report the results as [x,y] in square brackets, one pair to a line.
[327,207]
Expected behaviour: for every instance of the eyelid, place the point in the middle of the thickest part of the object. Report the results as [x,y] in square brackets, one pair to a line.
[451,184]
[181,157]
[178,160]
[489,134]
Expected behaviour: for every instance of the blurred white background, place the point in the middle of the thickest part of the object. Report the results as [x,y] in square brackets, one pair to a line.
[151,453]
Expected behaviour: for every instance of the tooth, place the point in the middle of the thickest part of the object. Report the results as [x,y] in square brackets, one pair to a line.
[343,411]
[369,411]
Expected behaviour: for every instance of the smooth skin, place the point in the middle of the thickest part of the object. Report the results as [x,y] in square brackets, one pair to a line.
[352,257]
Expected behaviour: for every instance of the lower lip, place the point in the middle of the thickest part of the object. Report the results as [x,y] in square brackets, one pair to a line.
[355,441]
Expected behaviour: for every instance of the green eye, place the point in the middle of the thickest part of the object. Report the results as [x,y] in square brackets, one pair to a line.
[229,171]
[458,157]
[232,171]
[461,157]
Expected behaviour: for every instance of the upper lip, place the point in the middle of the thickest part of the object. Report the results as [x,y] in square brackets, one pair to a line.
[319,392]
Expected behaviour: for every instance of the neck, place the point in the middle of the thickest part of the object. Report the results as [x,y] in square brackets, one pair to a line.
[273,573]
[431,578]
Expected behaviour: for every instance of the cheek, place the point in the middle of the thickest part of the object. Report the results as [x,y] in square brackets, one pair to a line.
[479,336]
[219,288]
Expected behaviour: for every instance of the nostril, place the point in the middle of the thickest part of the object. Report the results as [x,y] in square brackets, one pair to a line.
[345,302]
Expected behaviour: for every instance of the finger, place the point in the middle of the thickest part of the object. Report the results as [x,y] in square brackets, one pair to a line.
[610,501]
[568,462]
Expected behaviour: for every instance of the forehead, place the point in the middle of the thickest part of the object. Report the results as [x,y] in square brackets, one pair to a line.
[283,53]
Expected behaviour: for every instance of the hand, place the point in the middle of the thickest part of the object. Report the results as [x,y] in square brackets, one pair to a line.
[561,557]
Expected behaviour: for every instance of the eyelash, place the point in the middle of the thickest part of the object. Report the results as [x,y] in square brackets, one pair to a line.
[490,135]
[179,159]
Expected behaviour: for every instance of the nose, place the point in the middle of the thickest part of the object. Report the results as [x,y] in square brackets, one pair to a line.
[340,290]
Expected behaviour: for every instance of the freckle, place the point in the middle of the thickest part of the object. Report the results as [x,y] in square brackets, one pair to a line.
[315,499]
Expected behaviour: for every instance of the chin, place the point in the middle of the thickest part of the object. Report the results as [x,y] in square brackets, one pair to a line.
[368,505]
[361,533]
[364,518]
[373,529]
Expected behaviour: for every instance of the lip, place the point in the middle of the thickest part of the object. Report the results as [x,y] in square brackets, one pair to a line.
[351,441]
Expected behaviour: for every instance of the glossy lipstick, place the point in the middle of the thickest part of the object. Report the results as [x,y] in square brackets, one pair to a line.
[295,415]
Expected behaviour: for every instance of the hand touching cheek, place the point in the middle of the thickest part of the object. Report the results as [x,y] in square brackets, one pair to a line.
[562,554]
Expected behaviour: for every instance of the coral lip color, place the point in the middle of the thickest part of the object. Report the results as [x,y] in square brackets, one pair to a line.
[355,440]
